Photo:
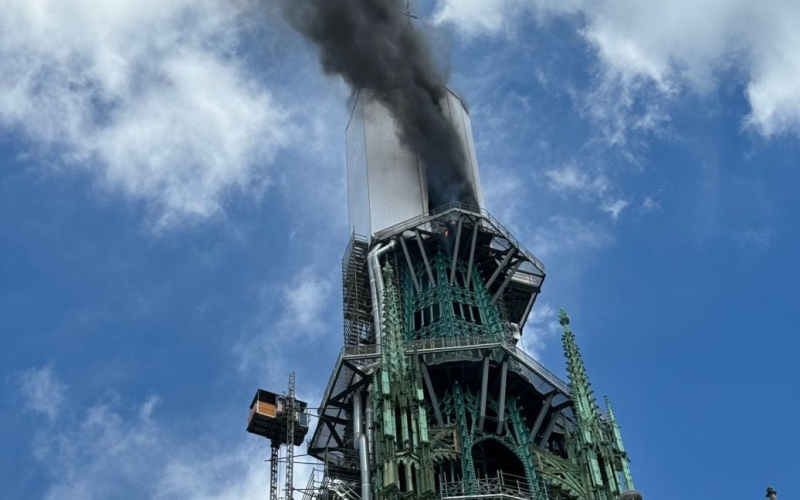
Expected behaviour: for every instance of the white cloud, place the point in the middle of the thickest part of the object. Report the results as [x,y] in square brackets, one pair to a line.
[597,188]
[106,451]
[291,311]
[116,448]
[564,240]
[473,17]
[622,109]
[662,46]
[615,207]
[570,179]
[150,404]
[650,204]
[502,191]
[564,237]
[542,325]
[306,299]
[149,96]
[40,390]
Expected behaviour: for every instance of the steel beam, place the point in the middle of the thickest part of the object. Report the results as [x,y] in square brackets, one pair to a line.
[358,385]
[550,426]
[335,420]
[501,415]
[355,369]
[432,394]
[528,308]
[337,404]
[319,451]
[542,413]
[484,384]
[475,229]
[563,405]
[505,281]
[509,254]
[334,434]
[410,265]
[425,259]
[455,251]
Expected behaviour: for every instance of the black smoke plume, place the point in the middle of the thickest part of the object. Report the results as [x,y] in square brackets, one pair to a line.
[372,45]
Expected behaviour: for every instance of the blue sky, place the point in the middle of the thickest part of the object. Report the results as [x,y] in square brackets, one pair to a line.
[173,214]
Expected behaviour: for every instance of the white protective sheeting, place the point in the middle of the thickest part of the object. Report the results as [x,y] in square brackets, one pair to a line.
[385,181]
[457,113]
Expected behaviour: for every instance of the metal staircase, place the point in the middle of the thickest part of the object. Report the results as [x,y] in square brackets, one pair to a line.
[356,305]
[324,487]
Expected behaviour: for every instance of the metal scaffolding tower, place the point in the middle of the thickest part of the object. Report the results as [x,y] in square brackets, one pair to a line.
[273,469]
[290,410]
[282,419]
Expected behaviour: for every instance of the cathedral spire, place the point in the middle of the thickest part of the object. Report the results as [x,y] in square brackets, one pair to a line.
[586,410]
[626,470]
[585,404]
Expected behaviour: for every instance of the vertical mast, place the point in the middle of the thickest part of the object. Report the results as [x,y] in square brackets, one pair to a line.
[273,470]
[290,414]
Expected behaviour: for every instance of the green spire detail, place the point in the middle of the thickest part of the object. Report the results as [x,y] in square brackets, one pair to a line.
[620,448]
[586,410]
[402,447]
[585,404]
[595,440]
[393,354]
[467,464]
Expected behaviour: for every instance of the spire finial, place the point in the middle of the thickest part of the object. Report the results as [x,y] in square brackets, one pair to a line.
[586,407]
[563,319]
[617,437]
[408,13]
[609,409]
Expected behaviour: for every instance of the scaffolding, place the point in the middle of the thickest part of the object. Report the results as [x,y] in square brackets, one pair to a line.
[356,303]
[283,420]
[290,409]
[274,461]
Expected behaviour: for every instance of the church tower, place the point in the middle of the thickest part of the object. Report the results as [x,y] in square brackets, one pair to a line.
[432,395]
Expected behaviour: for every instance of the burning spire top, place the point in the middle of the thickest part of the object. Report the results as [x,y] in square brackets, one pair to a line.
[368,44]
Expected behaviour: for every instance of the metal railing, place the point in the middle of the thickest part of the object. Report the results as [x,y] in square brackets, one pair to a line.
[357,351]
[462,208]
[325,485]
[503,485]
[343,490]
[311,487]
